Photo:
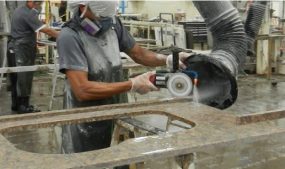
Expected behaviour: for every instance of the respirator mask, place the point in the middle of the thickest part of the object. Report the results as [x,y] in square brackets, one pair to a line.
[105,11]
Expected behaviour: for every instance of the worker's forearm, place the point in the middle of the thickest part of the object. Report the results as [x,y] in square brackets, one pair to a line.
[147,58]
[53,33]
[152,59]
[50,32]
[100,90]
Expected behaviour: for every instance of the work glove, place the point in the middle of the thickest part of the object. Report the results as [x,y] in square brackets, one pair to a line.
[182,57]
[142,85]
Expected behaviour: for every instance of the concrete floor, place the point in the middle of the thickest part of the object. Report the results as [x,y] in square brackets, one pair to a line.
[40,95]
[257,94]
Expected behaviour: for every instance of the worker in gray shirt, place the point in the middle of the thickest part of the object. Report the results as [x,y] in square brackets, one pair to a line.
[89,48]
[22,52]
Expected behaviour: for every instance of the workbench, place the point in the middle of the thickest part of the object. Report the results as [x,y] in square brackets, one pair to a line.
[271,50]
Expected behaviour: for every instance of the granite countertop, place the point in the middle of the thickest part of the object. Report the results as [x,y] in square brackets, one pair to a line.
[212,127]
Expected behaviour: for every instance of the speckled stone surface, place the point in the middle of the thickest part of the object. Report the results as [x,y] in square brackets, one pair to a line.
[213,128]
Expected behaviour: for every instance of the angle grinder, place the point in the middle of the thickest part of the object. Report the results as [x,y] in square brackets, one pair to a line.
[179,83]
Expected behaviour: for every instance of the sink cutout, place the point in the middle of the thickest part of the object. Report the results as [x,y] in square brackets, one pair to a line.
[48,140]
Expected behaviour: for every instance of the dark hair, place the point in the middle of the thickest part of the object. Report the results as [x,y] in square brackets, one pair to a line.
[38,1]
[35,1]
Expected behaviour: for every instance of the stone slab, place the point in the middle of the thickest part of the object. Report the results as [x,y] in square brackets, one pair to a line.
[212,128]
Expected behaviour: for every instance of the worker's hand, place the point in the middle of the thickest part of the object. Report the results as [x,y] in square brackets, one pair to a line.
[141,83]
[182,57]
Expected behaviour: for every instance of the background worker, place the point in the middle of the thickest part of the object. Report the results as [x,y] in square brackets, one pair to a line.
[22,52]
[89,48]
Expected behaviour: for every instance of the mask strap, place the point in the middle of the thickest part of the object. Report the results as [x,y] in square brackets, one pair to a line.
[84,12]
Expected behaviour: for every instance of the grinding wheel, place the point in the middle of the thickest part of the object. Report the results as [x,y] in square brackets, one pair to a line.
[179,85]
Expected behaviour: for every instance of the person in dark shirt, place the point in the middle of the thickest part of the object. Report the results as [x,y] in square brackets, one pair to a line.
[22,52]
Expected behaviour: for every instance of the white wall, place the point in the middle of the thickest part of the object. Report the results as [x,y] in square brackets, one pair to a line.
[153,8]
[278,7]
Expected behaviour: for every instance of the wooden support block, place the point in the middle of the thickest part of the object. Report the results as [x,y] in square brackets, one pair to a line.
[184,161]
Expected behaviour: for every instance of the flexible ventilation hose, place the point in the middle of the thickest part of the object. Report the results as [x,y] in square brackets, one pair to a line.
[218,71]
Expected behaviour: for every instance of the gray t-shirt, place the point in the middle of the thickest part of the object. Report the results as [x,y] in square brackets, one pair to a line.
[71,49]
[25,22]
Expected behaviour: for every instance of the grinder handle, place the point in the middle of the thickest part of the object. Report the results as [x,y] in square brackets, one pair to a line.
[175,59]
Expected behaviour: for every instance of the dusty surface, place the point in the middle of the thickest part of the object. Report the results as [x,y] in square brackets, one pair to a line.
[214,131]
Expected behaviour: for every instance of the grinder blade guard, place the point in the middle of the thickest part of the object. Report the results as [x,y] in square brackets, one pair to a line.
[178,82]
